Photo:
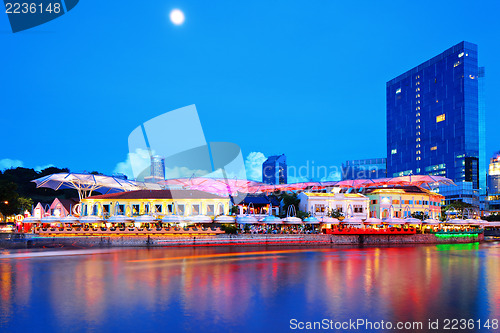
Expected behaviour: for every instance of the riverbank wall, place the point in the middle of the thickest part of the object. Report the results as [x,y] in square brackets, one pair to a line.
[21,241]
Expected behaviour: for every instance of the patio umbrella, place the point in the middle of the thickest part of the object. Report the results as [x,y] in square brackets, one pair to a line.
[456,221]
[394,220]
[328,220]
[199,219]
[172,219]
[431,221]
[311,220]
[412,220]
[356,221]
[225,219]
[271,219]
[85,184]
[373,220]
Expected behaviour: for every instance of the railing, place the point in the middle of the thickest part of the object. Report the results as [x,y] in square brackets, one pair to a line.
[128,231]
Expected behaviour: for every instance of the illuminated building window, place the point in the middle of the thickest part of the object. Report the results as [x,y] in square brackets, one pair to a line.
[418,126]
[417,90]
[394,151]
[472,77]
[418,146]
[418,152]
[418,170]
[461,55]
[418,114]
[418,102]
[419,158]
[440,118]
[418,139]
[437,101]
[417,96]
[418,108]
[434,148]
[418,120]
[398,91]
[456,64]
[418,133]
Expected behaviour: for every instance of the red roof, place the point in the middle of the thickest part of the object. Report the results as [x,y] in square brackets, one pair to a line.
[158,194]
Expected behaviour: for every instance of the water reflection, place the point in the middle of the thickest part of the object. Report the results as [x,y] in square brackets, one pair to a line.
[244,289]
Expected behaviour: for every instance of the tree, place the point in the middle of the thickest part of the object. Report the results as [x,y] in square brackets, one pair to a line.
[24,204]
[335,213]
[420,215]
[8,198]
[456,206]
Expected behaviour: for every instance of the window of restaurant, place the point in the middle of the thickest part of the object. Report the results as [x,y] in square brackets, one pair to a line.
[84,210]
[170,208]
[146,209]
[210,210]
[373,202]
[135,209]
[159,208]
[195,209]
[95,210]
[105,209]
[180,209]
[320,208]
[120,209]
[358,209]
[339,208]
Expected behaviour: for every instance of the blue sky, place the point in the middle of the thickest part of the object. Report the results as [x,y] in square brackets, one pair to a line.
[304,78]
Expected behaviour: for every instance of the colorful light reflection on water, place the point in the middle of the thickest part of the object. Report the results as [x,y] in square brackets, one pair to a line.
[244,289]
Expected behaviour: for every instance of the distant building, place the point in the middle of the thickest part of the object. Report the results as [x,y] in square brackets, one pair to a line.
[493,197]
[365,169]
[435,122]
[274,170]
[157,169]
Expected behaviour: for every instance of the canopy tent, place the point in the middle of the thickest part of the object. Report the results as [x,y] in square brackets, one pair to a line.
[221,186]
[85,183]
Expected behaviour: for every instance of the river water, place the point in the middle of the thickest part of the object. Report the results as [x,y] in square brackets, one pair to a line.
[231,289]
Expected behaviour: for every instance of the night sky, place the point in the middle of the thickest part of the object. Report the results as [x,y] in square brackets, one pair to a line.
[304,78]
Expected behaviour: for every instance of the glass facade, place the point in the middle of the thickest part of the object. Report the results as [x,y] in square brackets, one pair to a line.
[274,170]
[493,196]
[364,169]
[433,118]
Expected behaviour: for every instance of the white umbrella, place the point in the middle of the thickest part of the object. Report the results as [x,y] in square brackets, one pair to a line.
[144,219]
[412,220]
[394,220]
[172,219]
[328,220]
[224,219]
[373,220]
[50,219]
[69,219]
[352,221]
[91,219]
[31,219]
[199,219]
[431,221]
[120,219]
[456,221]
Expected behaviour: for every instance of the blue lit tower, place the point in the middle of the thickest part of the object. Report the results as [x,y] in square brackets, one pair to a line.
[433,121]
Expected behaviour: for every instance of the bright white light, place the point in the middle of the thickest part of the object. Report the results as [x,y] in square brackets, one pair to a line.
[177,17]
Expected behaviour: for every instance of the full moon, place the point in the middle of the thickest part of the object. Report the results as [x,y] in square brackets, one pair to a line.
[177,17]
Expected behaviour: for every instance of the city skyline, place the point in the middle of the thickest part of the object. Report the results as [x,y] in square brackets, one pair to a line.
[230,83]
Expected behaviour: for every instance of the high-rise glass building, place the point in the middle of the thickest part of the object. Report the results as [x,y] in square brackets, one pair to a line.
[157,169]
[494,184]
[371,168]
[434,123]
[274,170]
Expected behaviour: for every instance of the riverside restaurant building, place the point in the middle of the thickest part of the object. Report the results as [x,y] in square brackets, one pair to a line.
[402,201]
[156,203]
[319,203]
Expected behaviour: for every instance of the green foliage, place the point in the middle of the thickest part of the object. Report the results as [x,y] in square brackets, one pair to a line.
[302,215]
[420,215]
[229,228]
[24,204]
[8,198]
[288,200]
[234,210]
[23,177]
[335,213]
